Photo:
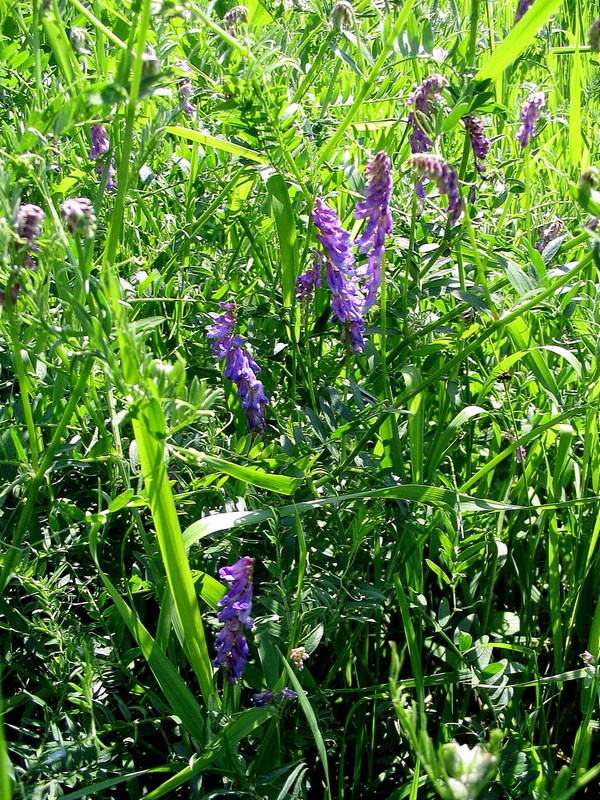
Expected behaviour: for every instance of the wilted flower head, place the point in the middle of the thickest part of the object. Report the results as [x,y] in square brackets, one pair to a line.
[589,179]
[78,215]
[479,141]
[79,40]
[237,14]
[298,656]
[594,36]
[550,232]
[342,16]
[150,65]
[469,770]
[422,100]
[530,113]
[309,279]
[30,219]
[235,607]
[346,302]
[375,208]
[240,367]
[186,89]
[438,170]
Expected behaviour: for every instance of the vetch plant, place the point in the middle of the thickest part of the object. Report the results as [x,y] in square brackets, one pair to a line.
[375,208]
[240,367]
[530,113]
[438,170]
[235,608]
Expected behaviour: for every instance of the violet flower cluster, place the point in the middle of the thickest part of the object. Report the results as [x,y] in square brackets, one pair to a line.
[479,141]
[548,234]
[354,291]
[268,696]
[422,100]
[28,227]
[375,208]
[530,113]
[100,146]
[236,15]
[439,171]
[522,8]
[346,299]
[79,217]
[30,219]
[235,607]
[240,367]
[308,280]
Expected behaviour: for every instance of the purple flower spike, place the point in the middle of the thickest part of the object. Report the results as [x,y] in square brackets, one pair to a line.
[422,100]
[530,113]
[346,302]
[308,280]
[99,136]
[375,208]
[479,141]
[522,8]
[100,146]
[240,367]
[235,607]
[439,171]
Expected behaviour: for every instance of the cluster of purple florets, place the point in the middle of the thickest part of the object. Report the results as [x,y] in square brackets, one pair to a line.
[422,102]
[235,608]
[100,146]
[436,169]
[307,281]
[479,141]
[354,290]
[530,113]
[240,367]
[28,227]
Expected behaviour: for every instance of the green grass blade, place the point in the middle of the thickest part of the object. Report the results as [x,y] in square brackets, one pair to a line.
[240,727]
[179,696]
[280,484]
[285,224]
[168,532]
[312,723]
[5,781]
[518,39]
[416,422]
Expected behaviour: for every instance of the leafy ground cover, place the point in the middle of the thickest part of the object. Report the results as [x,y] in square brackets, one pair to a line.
[330,537]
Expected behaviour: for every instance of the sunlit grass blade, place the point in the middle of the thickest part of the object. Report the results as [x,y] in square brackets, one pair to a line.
[518,39]
[179,696]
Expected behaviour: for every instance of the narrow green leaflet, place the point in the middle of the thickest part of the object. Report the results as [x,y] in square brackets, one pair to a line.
[213,141]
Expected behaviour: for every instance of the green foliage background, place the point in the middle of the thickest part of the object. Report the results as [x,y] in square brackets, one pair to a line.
[397,536]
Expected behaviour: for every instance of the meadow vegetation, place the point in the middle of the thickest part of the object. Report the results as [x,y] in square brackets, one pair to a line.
[299,399]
